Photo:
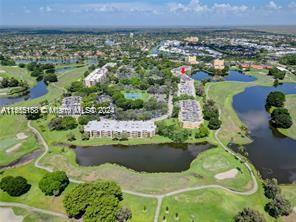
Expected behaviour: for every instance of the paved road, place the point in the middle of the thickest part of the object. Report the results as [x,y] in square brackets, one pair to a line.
[12,204]
[161,196]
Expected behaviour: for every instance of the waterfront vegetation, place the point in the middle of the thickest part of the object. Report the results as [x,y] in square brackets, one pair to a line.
[291,106]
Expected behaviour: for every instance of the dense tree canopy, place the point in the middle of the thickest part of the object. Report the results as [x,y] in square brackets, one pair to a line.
[276,99]
[54,183]
[277,74]
[249,215]
[271,188]
[279,207]
[14,186]
[95,202]
[62,123]
[280,118]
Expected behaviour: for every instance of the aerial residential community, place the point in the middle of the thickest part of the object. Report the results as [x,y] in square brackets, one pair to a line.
[147,111]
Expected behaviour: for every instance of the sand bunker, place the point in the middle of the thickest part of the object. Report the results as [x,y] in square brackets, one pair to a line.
[14,148]
[21,136]
[227,175]
[7,214]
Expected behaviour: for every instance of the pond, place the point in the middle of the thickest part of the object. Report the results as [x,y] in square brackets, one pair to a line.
[142,158]
[232,76]
[273,154]
[37,91]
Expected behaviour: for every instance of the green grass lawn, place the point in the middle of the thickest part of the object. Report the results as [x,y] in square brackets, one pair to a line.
[143,209]
[31,216]
[34,197]
[18,73]
[289,192]
[210,205]
[291,106]
[201,172]
[10,126]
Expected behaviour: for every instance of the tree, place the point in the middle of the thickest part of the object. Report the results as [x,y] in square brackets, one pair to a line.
[271,188]
[14,186]
[50,77]
[280,118]
[62,123]
[54,183]
[71,137]
[277,74]
[97,201]
[214,123]
[202,132]
[276,99]
[249,215]
[123,214]
[278,207]
[33,115]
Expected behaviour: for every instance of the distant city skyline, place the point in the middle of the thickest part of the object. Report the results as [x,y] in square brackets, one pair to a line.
[146,13]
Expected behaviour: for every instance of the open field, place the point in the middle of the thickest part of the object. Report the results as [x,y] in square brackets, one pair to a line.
[210,205]
[18,73]
[10,126]
[291,106]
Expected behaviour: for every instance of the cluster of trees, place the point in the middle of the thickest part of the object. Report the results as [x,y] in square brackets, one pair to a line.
[276,73]
[278,206]
[14,186]
[42,71]
[12,82]
[99,201]
[249,215]
[173,131]
[202,132]
[288,59]
[211,113]
[6,61]
[280,117]
[62,123]
[54,183]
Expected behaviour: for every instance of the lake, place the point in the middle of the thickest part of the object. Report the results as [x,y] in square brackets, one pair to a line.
[37,91]
[273,154]
[232,76]
[146,158]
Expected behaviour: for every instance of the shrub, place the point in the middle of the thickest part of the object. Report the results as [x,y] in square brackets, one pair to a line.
[54,183]
[14,186]
[123,214]
[249,215]
[202,132]
[214,123]
[271,188]
[278,207]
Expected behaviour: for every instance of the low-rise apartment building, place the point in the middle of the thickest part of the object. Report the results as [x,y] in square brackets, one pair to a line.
[190,114]
[219,64]
[115,129]
[71,106]
[98,75]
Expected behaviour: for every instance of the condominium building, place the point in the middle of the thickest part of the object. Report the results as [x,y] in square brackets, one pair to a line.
[190,114]
[219,64]
[71,106]
[191,39]
[186,86]
[191,60]
[98,75]
[114,128]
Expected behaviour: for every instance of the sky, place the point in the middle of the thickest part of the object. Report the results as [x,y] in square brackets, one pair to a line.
[146,13]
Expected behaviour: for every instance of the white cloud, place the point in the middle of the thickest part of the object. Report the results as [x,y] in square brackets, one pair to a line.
[45,8]
[196,6]
[227,8]
[193,5]
[273,6]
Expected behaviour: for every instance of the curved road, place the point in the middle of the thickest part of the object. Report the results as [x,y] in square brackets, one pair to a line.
[158,197]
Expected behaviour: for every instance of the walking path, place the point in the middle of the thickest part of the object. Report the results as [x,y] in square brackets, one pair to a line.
[158,197]
[13,204]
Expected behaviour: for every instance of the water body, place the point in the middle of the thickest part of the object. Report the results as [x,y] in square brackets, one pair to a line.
[37,91]
[232,76]
[273,154]
[143,158]
[65,69]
